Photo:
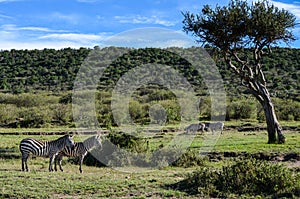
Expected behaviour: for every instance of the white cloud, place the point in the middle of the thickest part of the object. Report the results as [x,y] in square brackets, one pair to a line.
[12,27]
[71,18]
[149,37]
[13,37]
[138,19]
[293,8]
[75,37]
[5,16]
[8,45]
[1,1]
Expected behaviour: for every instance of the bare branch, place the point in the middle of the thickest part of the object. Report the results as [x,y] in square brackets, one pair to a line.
[231,65]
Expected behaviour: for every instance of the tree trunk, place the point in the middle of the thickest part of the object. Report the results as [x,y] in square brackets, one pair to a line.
[273,125]
[255,81]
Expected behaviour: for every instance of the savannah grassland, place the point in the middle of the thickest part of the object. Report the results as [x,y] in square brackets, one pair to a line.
[106,182]
[36,101]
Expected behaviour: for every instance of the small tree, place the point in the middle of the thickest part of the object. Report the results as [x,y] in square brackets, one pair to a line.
[232,28]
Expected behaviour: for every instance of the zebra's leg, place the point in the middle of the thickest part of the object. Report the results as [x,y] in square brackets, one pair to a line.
[55,161]
[80,163]
[51,162]
[24,162]
[59,159]
[203,129]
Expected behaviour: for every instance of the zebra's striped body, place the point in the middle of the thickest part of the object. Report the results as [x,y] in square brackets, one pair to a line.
[195,127]
[43,148]
[215,126]
[80,150]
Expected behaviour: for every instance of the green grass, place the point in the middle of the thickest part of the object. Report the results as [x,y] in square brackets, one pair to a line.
[93,183]
[253,142]
[98,182]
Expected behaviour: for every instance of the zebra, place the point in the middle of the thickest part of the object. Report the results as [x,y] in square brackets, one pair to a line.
[80,150]
[195,127]
[43,148]
[214,126]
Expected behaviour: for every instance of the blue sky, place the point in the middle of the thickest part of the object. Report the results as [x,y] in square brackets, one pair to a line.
[38,24]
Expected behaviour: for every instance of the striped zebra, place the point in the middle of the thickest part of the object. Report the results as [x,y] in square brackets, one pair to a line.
[43,148]
[215,126]
[80,150]
[195,127]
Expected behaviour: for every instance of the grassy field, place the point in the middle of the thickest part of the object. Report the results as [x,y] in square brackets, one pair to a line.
[105,182]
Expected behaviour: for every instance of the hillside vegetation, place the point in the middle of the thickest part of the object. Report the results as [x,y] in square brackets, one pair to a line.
[36,87]
[55,70]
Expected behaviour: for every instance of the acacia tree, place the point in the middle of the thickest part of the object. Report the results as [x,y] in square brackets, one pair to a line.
[238,25]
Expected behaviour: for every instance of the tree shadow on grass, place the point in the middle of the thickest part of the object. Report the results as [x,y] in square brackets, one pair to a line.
[183,186]
[9,153]
[5,170]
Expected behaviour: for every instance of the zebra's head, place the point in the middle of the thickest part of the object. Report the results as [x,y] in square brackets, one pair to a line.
[98,141]
[69,141]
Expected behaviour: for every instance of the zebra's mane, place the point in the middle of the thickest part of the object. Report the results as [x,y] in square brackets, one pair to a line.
[91,142]
[59,139]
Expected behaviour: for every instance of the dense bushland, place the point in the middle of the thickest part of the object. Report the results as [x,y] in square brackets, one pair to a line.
[32,82]
[46,110]
[55,70]
[247,177]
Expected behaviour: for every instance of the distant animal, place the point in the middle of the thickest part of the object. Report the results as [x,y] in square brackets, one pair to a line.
[43,148]
[80,150]
[214,126]
[195,127]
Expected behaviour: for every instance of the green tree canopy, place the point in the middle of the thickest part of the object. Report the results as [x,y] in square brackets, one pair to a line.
[238,25]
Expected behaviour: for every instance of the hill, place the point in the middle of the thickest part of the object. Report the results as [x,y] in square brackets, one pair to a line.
[55,70]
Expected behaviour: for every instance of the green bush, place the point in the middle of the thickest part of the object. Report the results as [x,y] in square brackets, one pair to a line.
[205,108]
[127,141]
[137,111]
[8,113]
[172,109]
[164,157]
[61,113]
[189,159]
[256,178]
[35,117]
[245,177]
[241,109]
[287,109]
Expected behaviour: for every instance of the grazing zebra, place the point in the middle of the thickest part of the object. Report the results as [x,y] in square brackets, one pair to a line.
[214,126]
[80,150]
[195,127]
[43,148]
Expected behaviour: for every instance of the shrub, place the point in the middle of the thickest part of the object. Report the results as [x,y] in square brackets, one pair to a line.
[172,109]
[28,100]
[61,113]
[164,157]
[137,111]
[255,177]
[245,177]
[8,113]
[189,159]
[241,109]
[287,109]
[205,108]
[35,117]
[128,141]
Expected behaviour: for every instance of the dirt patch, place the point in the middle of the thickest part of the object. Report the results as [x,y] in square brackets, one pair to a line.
[277,157]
